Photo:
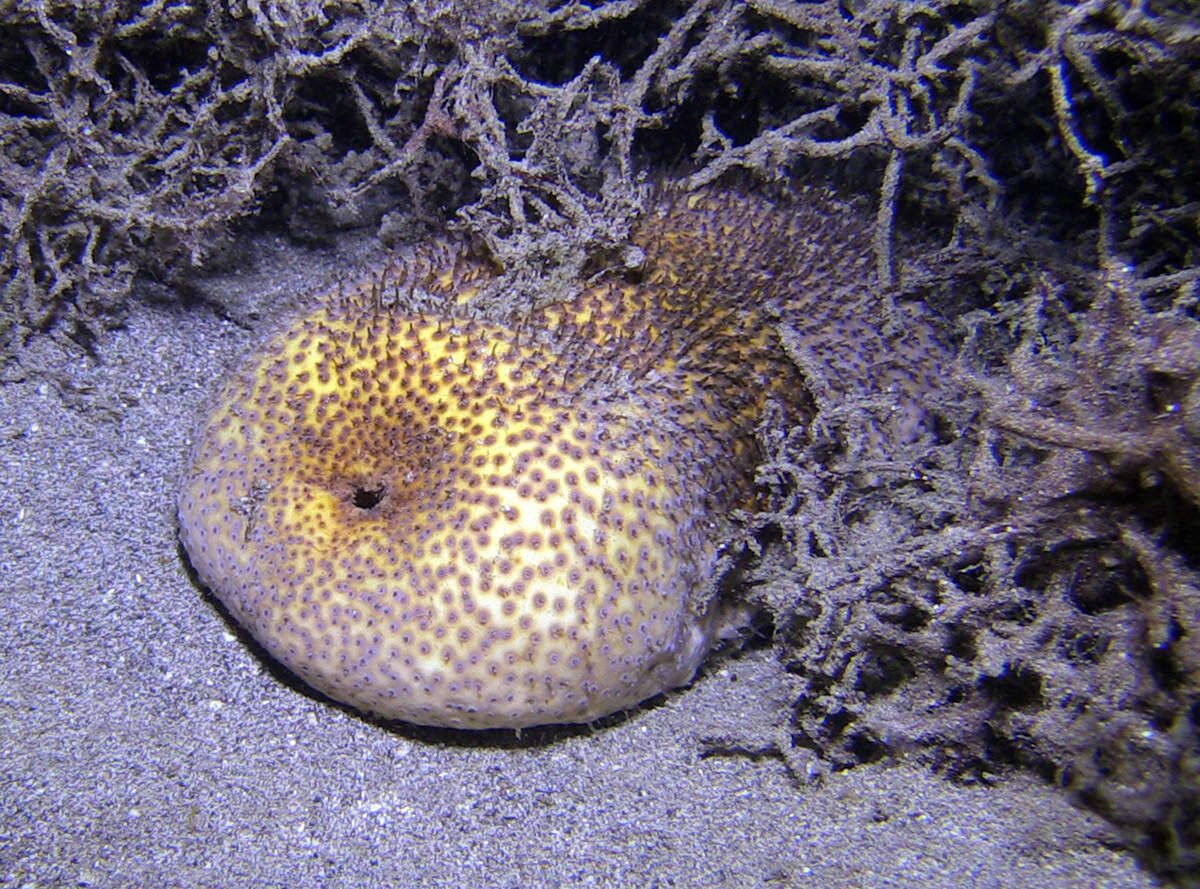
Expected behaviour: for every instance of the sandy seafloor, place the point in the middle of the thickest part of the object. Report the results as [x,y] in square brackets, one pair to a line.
[144,743]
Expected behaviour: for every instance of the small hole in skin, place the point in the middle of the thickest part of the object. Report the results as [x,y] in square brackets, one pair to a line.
[367,498]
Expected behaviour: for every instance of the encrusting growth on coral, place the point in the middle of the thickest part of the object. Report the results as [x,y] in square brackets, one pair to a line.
[457,522]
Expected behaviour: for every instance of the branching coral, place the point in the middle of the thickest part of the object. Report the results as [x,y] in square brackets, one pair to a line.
[1103,539]
[1032,597]
[133,136]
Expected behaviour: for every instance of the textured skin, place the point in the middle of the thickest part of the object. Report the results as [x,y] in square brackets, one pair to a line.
[457,523]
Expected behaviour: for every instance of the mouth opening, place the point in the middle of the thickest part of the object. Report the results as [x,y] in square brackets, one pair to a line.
[366,497]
